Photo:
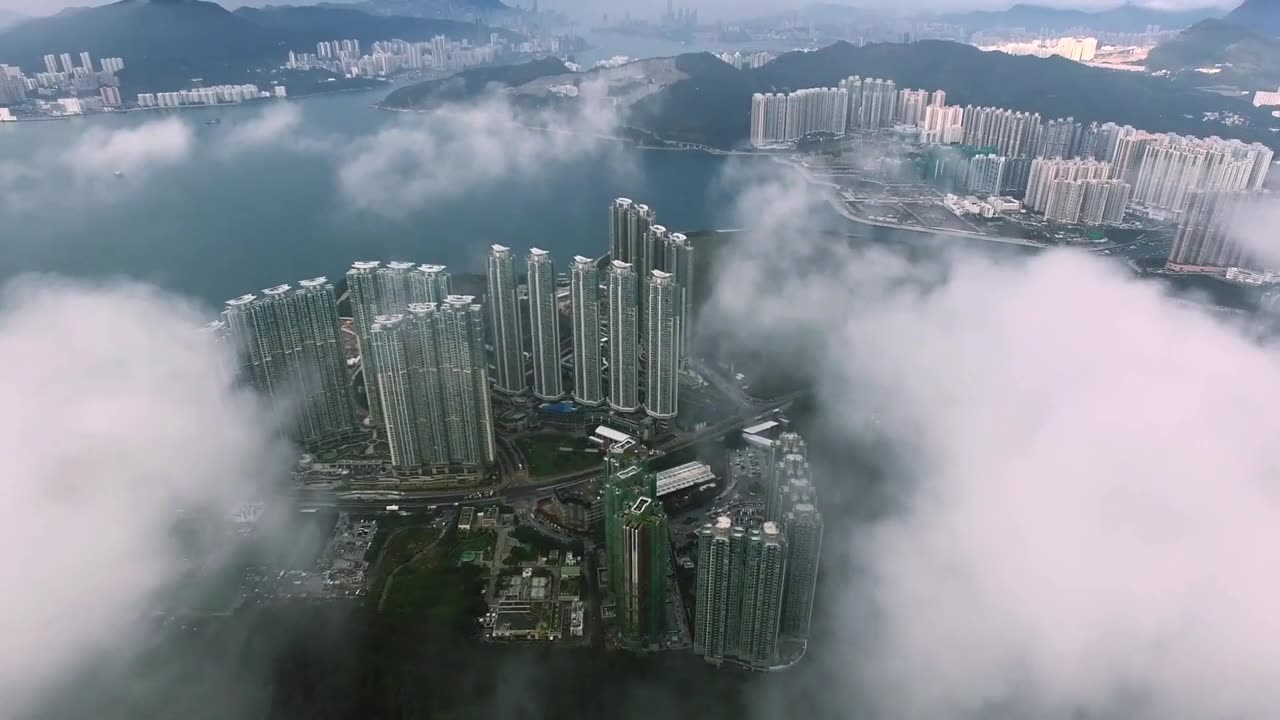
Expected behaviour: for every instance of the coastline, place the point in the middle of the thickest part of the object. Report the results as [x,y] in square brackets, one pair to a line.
[180,108]
[839,206]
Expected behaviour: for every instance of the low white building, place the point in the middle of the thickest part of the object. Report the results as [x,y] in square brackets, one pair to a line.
[1266,97]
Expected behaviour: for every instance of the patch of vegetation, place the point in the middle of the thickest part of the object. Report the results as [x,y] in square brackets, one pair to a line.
[447,595]
[546,457]
[533,545]
[477,541]
[398,546]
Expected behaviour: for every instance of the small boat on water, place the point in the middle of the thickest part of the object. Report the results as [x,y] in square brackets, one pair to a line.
[214,121]
[119,173]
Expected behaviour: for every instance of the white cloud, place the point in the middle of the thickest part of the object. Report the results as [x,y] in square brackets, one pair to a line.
[279,125]
[87,165]
[120,412]
[155,144]
[444,154]
[1086,482]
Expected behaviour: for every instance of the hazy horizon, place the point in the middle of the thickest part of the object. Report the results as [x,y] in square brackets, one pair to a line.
[709,9]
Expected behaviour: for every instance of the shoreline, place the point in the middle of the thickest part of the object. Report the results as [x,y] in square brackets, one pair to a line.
[839,206]
[55,118]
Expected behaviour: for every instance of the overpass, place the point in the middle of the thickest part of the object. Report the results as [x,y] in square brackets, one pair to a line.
[426,499]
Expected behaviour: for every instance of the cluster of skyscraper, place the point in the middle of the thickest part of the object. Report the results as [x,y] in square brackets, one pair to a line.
[746,61]
[1209,233]
[62,73]
[289,344]
[1076,191]
[1156,172]
[755,586]
[649,294]
[636,543]
[387,57]
[425,368]
[855,103]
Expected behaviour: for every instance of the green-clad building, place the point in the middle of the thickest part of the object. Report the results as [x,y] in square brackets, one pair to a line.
[636,542]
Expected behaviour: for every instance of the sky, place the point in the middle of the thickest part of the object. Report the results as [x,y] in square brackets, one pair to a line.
[707,8]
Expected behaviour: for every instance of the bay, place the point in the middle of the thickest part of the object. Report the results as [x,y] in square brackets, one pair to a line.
[215,226]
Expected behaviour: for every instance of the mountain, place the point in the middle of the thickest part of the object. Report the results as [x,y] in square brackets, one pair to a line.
[470,83]
[1244,59]
[8,17]
[329,22]
[166,43]
[170,40]
[1125,18]
[712,105]
[1259,16]
[468,10]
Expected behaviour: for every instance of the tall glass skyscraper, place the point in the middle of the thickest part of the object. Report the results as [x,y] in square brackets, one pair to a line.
[642,607]
[433,381]
[362,284]
[290,345]
[662,342]
[544,321]
[465,383]
[619,218]
[389,342]
[679,262]
[764,570]
[624,360]
[739,592]
[504,316]
[636,544]
[803,526]
[718,588]
[428,284]
[629,224]
[388,290]
[584,286]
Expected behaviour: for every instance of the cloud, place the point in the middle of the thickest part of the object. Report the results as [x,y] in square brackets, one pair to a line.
[444,154]
[155,144]
[87,165]
[279,125]
[1084,491]
[121,413]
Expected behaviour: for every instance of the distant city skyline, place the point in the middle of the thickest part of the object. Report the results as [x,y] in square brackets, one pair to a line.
[710,9]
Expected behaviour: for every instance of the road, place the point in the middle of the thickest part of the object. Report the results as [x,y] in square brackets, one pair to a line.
[421,499]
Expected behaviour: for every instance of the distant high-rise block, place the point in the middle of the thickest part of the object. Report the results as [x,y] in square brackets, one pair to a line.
[986,174]
[584,287]
[544,321]
[504,314]
[1208,237]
